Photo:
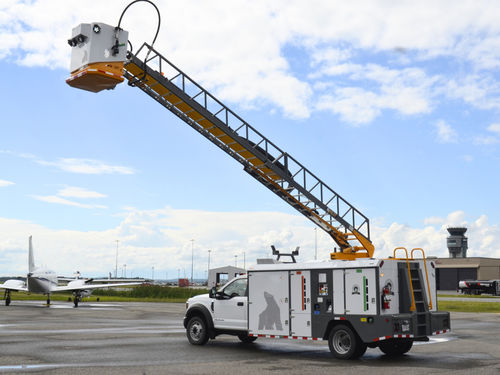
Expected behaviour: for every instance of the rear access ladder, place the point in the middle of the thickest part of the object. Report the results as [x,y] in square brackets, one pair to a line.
[418,303]
[262,159]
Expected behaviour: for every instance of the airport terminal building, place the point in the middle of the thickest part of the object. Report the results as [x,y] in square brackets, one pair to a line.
[449,271]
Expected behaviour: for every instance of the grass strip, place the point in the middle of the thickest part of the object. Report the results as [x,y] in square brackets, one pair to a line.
[475,307]
[468,296]
[146,293]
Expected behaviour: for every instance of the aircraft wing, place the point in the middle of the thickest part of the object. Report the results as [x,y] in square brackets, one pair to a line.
[68,288]
[14,285]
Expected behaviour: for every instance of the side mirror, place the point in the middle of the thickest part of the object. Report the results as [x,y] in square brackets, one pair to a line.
[213,292]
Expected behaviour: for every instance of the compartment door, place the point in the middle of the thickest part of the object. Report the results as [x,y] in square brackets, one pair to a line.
[268,304]
[338,292]
[300,303]
[360,290]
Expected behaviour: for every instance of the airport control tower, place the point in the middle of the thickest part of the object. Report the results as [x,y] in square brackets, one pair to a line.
[457,242]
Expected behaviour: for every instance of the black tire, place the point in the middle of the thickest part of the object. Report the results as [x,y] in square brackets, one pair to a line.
[395,347]
[7,301]
[196,331]
[75,301]
[344,343]
[244,338]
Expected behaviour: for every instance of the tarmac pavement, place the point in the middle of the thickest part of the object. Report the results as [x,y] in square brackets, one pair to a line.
[148,338]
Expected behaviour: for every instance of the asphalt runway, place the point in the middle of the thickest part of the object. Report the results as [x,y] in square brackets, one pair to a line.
[148,338]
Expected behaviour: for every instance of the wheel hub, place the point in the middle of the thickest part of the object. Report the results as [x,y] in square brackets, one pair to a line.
[195,331]
[341,342]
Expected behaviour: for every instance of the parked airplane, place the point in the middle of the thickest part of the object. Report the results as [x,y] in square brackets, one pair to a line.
[44,281]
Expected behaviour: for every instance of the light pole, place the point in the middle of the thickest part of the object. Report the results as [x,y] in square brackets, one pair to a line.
[153,273]
[116,260]
[125,270]
[236,260]
[208,268]
[192,260]
[315,243]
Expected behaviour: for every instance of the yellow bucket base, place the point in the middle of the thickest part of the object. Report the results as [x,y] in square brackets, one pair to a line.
[97,77]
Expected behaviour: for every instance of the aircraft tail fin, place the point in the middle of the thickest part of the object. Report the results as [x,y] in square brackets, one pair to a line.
[31,259]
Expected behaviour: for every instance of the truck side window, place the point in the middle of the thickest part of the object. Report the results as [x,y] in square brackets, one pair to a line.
[236,288]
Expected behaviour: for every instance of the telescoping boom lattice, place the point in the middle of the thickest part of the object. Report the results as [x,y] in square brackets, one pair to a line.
[100,61]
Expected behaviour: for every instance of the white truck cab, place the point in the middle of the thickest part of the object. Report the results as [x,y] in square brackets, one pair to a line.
[354,305]
[219,312]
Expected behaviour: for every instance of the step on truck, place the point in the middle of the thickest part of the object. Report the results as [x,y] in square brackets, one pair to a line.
[354,305]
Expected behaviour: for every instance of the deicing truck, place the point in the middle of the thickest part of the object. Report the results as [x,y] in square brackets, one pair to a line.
[354,305]
[353,300]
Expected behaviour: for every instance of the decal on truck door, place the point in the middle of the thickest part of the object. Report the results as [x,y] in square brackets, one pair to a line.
[270,318]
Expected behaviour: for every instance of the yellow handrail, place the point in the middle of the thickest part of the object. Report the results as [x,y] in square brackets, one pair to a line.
[426,275]
[412,307]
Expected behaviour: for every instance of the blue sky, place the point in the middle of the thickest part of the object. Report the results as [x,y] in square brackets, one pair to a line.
[400,119]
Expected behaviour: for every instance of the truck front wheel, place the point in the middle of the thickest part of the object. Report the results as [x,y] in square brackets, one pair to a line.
[196,331]
[344,343]
[395,347]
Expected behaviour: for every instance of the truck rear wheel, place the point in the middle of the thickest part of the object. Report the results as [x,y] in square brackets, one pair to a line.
[396,347]
[344,343]
[196,331]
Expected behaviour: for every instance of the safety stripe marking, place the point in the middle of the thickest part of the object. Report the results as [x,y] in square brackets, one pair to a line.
[440,332]
[284,337]
[403,336]
[395,336]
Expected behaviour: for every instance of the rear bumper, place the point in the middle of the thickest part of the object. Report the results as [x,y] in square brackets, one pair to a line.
[412,326]
[440,322]
[419,326]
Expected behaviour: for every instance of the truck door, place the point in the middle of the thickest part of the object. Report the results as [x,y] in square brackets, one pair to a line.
[300,303]
[360,291]
[231,311]
[268,304]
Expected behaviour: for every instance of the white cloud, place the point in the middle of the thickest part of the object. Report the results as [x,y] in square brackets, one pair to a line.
[479,90]
[489,139]
[59,200]
[86,166]
[78,192]
[4,183]
[235,48]
[76,165]
[72,192]
[486,140]
[162,238]
[434,220]
[495,128]
[445,133]
[407,91]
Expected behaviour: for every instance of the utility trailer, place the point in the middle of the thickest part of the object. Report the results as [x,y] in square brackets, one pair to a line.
[385,303]
[478,287]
